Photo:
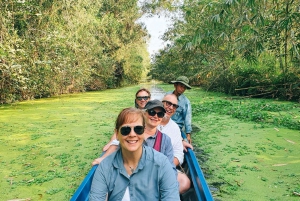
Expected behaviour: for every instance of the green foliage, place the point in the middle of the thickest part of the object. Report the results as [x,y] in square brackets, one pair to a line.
[52,47]
[226,46]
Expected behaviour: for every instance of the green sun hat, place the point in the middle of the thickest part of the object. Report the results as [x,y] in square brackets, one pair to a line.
[184,80]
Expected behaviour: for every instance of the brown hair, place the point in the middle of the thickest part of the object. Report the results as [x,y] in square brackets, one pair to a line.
[143,89]
[129,115]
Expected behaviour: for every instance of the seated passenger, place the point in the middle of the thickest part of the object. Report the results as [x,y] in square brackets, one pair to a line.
[172,144]
[135,171]
[153,117]
[170,128]
[142,96]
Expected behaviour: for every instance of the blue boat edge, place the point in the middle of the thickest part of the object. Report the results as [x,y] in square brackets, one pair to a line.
[83,191]
[199,183]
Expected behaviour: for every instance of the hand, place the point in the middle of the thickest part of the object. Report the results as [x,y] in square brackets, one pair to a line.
[106,146]
[188,136]
[113,137]
[97,161]
[187,145]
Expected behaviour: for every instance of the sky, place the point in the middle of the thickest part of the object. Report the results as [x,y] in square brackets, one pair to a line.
[156,27]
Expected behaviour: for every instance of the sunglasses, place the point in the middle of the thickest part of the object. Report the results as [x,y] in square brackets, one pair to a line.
[125,130]
[153,113]
[142,97]
[168,103]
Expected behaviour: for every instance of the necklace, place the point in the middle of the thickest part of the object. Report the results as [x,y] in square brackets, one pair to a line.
[131,169]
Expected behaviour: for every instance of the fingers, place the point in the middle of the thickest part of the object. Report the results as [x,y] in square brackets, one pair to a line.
[106,146]
[96,161]
[189,138]
[189,146]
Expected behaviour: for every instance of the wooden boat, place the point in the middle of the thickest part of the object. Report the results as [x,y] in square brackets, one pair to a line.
[199,190]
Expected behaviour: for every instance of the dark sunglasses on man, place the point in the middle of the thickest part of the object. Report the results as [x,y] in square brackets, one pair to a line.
[168,103]
[125,130]
[142,97]
[153,113]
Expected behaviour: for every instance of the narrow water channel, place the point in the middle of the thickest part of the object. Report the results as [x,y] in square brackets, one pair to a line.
[157,92]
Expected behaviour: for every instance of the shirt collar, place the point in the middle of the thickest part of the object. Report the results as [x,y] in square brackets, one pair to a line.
[175,95]
[118,162]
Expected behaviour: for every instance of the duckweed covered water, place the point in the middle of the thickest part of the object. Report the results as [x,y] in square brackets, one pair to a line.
[48,144]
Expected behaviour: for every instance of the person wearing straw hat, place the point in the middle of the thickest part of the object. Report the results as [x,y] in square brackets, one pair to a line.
[183,115]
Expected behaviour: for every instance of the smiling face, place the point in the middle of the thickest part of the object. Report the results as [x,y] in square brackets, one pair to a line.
[153,121]
[169,102]
[132,141]
[142,97]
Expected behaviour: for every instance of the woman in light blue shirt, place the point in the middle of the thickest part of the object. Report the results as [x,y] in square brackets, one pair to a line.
[134,172]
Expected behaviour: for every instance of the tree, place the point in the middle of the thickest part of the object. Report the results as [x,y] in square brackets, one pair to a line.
[216,41]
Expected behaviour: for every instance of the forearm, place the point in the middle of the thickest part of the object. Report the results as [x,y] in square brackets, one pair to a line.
[176,161]
[110,150]
[113,137]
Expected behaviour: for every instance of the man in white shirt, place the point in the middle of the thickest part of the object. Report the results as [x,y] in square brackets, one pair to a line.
[170,128]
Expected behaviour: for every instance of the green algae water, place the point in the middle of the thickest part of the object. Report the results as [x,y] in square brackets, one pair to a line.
[246,153]
[47,145]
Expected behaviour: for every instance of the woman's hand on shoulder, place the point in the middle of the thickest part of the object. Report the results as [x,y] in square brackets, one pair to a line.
[97,161]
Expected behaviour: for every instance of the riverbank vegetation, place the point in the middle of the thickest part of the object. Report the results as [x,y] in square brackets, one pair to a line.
[248,48]
[248,148]
[48,144]
[53,47]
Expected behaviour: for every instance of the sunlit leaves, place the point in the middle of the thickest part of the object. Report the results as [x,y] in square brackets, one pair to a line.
[226,33]
[88,43]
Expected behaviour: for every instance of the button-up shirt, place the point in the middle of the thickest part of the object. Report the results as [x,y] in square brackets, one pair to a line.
[166,147]
[153,179]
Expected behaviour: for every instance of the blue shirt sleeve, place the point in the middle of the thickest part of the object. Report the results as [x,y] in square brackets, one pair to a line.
[169,187]
[188,117]
[99,188]
[167,150]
